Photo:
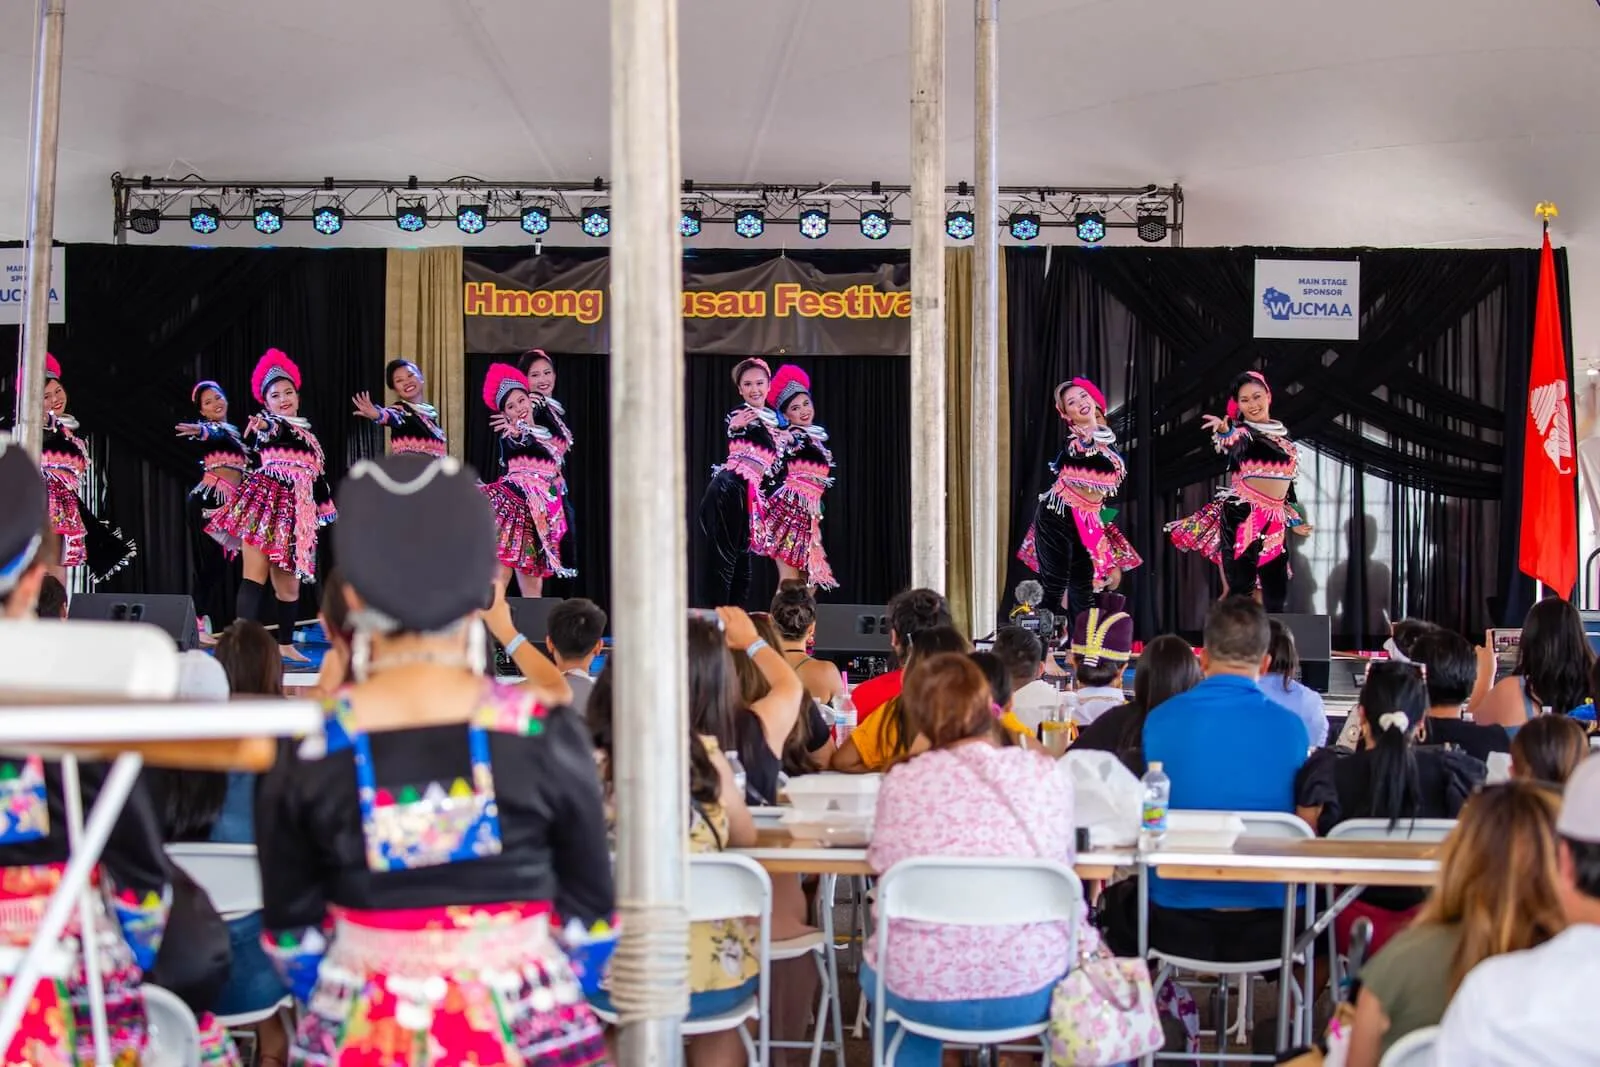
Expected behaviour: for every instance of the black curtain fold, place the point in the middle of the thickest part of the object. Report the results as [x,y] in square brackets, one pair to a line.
[146,322]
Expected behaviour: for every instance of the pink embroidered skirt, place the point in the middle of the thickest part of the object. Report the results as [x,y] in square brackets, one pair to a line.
[274,515]
[792,534]
[529,523]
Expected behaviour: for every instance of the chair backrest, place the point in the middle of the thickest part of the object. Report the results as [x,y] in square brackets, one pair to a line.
[1280,824]
[1404,830]
[174,1038]
[979,891]
[229,874]
[723,885]
[122,659]
[1413,1050]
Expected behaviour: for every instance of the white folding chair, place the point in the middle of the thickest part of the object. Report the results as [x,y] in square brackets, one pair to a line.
[723,885]
[1413,1050]
[820,946]
[231,877]
[174,1035]
[968,891]
[1404,830]
[1270,824]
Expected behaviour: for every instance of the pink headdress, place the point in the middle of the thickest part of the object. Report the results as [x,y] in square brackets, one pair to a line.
[502,380]
[52,369]
[1233,401]
[788,383]
[272,366]
[202,386]
[1087,386]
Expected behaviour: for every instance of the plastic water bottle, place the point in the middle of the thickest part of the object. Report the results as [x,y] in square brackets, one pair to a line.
[844,714]
[1153,818]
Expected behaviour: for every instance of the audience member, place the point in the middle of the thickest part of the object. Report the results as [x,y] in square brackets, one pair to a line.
[333,673]
[52,598]
[1497,893]
[1102,644]
[794,612]
[1008,728]
[1167,667]
[1403,636]
[910,613]
[891,736]
[967,796]
[1282,687]
[1537,1005]
[1452,675]
[1552,673]
[576,629]
[1549,749]
[777,725]
[1387,777]
[1032,698]
[1226,747]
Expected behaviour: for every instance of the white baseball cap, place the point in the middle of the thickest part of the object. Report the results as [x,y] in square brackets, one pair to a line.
[1580,804]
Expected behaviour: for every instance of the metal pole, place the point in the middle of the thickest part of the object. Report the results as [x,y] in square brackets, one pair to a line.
[649,542]
[986,322]
[928,407]
[45,125]
[72,793]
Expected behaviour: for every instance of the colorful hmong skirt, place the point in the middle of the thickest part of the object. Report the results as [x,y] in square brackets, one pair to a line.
[529,523]
[84,538]
[277,515]
[442,987]
[56,1030]
[792,533]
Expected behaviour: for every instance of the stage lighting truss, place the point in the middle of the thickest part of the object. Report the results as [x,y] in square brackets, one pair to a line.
[813,222]
[1153,213]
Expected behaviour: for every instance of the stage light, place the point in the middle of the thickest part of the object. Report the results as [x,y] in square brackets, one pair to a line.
[814,223]
[145,220]
[1024,225]
[269,216]
[690,222]
[472,218]
[958,224]
[748,222]
[203,218]
[596,221]
[1091,227]
[1152,219]
[875,224]
[411,215]
[328,219]
[535,220]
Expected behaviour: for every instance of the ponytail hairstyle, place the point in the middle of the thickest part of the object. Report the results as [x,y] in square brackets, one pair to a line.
[1284,658]
[1394,701]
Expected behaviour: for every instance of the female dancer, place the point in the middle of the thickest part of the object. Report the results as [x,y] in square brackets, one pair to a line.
[276,512]
[1074,550]
[422,912]
[793,527]
[540,370]
[413,424]
[64,461]
[733,510]
[1242,529]
[224,459]
[527,509]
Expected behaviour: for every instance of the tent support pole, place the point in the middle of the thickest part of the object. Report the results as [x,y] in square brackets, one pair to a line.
[986,322]
[929,410]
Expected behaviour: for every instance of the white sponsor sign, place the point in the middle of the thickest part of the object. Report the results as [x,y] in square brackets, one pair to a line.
[14,284]
[1308,298]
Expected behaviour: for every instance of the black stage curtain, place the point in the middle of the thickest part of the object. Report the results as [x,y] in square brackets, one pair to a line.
[862,402]
[1416,428]
[146,322]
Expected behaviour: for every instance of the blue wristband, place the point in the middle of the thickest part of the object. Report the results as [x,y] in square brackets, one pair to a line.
[756,646]
[515,643]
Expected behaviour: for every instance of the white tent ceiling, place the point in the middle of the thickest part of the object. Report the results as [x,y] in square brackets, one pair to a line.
[1383,122]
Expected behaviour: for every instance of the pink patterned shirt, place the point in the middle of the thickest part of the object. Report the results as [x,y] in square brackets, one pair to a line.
[943,803]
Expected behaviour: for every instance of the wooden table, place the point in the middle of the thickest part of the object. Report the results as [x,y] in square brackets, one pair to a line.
[781,853]
[1314,861]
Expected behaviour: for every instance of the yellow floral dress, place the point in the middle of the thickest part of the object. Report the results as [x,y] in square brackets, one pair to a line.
[722,955]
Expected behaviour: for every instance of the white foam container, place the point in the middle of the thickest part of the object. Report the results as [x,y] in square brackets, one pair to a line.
[1202,830]
[817,797]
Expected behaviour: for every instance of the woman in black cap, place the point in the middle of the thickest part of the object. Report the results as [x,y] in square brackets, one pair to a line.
[427,861]
[733,509]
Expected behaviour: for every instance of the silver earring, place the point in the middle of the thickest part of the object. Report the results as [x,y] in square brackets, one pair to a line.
[360,654]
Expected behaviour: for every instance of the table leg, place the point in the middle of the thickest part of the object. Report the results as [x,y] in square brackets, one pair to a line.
[1286,975]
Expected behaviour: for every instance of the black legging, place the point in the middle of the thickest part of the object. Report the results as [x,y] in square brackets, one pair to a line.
[725,526]
[215,576]
[1244,573]
[1065,566]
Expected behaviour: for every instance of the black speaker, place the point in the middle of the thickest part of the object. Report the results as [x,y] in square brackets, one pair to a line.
[852,628]
[173,612]
[1313,643]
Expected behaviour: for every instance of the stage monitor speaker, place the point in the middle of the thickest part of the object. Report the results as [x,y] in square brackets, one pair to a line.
[173,612]
[531,616]
[852,628]
[1313,643]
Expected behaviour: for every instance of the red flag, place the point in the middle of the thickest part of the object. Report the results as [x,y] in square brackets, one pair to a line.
[1549,549]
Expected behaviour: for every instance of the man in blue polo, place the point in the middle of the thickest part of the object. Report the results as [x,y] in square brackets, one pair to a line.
[1226,747]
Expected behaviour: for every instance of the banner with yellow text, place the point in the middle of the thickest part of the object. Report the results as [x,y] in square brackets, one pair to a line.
[733,304]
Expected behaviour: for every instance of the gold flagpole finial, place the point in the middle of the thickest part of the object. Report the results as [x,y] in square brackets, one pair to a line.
[1545,210]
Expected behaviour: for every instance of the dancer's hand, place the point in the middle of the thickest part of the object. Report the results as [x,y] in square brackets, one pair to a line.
[365,407]
[737,629]
[257,424]
[1113,578]
[501,425]
[744,418]
[1304,529]
[1213,424]
[189,429]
